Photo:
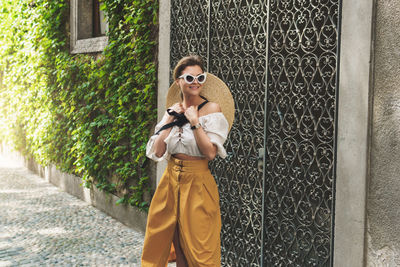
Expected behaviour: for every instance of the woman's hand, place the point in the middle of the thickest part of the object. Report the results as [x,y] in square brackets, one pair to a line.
[192,114]
[159,145]
[178,108]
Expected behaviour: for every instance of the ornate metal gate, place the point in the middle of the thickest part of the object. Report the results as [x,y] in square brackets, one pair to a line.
[279,57]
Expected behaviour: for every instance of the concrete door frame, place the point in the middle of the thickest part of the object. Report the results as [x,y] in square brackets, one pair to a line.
[163,66]
[353,123]
[353,133]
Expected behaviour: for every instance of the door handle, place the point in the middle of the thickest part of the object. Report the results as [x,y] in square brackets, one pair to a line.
[260,159]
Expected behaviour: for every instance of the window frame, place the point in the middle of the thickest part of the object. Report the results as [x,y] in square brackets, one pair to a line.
[81,46]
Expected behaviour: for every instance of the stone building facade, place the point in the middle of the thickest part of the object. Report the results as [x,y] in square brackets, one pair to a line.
[383,198]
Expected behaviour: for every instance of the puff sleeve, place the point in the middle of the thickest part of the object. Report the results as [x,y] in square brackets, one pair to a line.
[217,127]
[150,153]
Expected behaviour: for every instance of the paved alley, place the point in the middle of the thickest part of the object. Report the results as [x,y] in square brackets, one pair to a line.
[42,225]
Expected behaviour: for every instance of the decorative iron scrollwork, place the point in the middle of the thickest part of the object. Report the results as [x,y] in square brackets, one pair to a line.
[290,53]
[300,132]
[237,54]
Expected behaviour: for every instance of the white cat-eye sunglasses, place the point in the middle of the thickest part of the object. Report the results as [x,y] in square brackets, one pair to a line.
[189,79]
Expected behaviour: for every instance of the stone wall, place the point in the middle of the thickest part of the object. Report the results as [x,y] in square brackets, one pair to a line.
[383,207]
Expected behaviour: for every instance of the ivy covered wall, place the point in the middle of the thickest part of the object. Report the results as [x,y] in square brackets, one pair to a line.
[90,115]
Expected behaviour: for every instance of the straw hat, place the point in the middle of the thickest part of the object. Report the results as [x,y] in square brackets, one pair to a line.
[215,90]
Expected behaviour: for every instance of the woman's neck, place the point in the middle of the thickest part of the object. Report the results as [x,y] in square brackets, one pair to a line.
[193,100]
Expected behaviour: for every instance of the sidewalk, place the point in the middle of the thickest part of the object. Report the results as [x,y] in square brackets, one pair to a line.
[41,225]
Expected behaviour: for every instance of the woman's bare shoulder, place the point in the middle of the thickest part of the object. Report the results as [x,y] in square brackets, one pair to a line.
[177,103]
[211,107]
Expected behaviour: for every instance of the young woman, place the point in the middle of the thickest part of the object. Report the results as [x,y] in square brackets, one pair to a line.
[185,207]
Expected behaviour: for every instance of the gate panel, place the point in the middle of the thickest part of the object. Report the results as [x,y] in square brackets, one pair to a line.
[238,55]
[294,45]
[189,29]
[231,36]
[300,132]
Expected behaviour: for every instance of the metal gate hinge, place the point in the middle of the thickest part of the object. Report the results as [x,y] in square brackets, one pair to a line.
[260,159]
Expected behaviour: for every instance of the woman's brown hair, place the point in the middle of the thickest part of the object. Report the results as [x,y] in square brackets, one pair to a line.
[185,62]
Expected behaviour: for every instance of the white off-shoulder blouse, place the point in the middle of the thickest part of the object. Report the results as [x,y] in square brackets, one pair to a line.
[182,140]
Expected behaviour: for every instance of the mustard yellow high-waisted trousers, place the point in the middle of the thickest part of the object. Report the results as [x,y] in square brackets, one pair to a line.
[186,197]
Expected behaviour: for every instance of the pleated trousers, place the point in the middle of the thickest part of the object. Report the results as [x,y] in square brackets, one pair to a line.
[186,197]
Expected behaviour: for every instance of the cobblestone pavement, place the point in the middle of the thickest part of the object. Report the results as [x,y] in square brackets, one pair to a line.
[40,225]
